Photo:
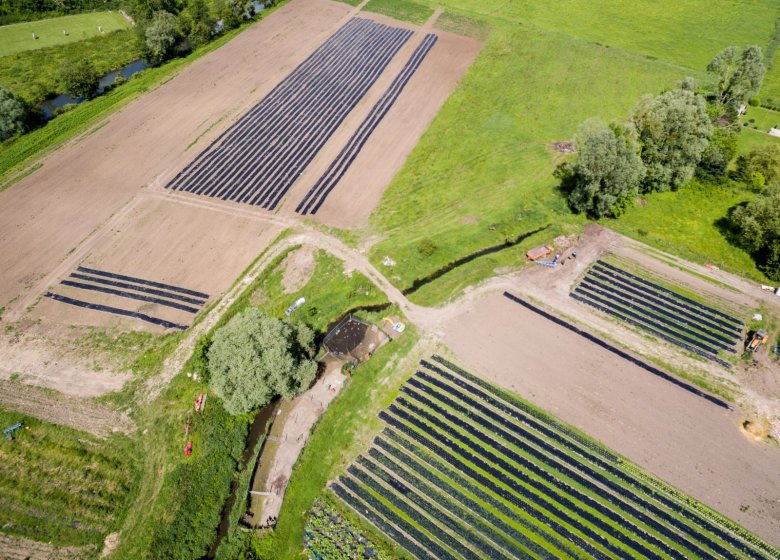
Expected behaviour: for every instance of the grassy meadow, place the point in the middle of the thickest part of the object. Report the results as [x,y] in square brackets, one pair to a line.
[400,9]
[17,37]
[482,172]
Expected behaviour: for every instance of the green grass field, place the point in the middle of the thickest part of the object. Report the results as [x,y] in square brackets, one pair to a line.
[761,118]
[62,486]
[17,37]
[749,138]
[400,9]
[770,89]
[485,162]
[687,32]
[34,75]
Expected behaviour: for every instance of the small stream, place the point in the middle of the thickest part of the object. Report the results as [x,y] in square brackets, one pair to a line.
[49,107]
[260,427]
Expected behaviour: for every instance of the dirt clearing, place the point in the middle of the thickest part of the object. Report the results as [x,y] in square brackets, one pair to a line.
[298,268]
[162,240]
[679,437]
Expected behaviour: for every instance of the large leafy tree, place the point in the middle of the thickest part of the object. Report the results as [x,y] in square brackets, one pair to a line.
[674,130]
[606,174]
[14,114]
[758,227]
[255,358]
[739,74]
[161,35]
[79,79]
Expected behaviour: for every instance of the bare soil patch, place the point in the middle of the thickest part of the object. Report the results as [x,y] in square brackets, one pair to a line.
[298,268]
[19,548]
[679,437]
[53,211]
[361,188]
[165,241]
[57,408]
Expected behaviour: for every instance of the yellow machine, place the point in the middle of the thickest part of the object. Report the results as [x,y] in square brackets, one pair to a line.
[759,338]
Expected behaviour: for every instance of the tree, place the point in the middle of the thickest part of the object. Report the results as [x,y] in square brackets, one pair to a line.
[674,131]
[720,151]
[14,114]
[758,231]
[161,35]
[606,175]
[254,358]
[196,23]
[761,166]
[739,75]
[79,79]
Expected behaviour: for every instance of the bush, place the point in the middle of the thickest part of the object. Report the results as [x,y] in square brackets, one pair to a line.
[754,102]
[14,115]
[758,231]
[79,79]
[426,247]
[255,358]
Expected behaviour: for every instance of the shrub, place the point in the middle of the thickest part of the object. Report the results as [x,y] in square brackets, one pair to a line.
[754,102]
[426,247]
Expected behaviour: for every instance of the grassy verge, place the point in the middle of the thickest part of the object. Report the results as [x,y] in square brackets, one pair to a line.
[340,433]
[404,10]
[34,75]
[761,118]
[18,37]
[62,486]
[691,223]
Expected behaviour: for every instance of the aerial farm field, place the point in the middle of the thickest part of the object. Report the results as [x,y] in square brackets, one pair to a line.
[386,165]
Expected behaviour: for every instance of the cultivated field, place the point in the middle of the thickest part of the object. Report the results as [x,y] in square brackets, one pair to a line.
[675,434]
[62,486]
[464,471]
[44,217]
[50,32]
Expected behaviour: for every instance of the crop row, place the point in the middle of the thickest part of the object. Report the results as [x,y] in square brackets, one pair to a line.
[584,474]
[632,481]
[316,196]
[680,310]
[670,296]
[671,317]
[259,158]
[640,317]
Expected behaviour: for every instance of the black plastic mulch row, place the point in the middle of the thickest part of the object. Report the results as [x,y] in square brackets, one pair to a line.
[316,196]
[655,332]
[438,551]
[647,367]
[423,464]
[142,281]
[127,286]
[362,509]
[664,314]
[558,490]
[615,281]
[478,517]
[576,470]
[115,311]
[552,429]
[129,295]
[534,511]
[709,310]
[461,541]
[650,319]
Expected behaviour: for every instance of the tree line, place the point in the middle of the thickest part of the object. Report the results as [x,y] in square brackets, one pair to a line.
[14,11]
[670,138]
